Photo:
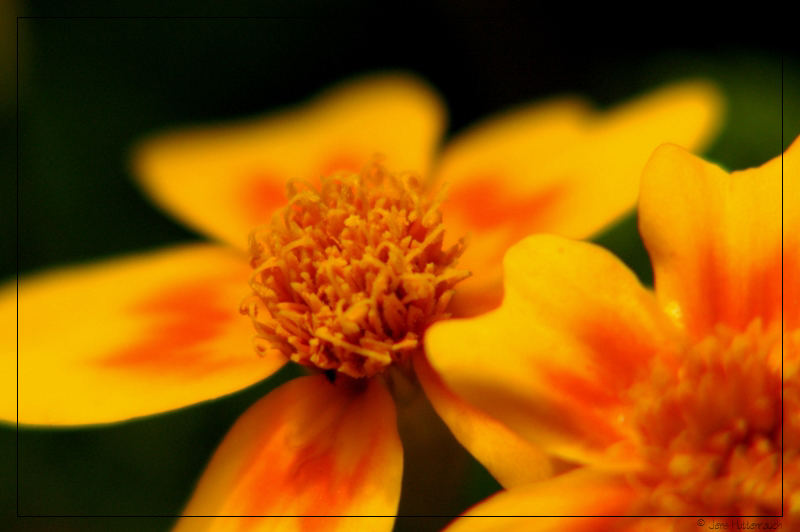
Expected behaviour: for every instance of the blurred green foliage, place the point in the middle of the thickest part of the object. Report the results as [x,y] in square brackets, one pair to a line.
[89,89]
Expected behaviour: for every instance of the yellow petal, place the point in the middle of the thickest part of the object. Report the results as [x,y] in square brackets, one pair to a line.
[226,180]
[310,448]
[574,329]
[604,171]
[129,337]
[714,239]
[511,459]
[560,169]
[579,493]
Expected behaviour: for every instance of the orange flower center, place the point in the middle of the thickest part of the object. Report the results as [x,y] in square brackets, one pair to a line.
[348,275]
[708,426]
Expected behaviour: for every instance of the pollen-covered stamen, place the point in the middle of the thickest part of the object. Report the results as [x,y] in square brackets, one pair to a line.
[349,275]
[708,426]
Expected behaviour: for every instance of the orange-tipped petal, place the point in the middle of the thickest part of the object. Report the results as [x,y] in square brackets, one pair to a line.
[581,492]
[310,448]
[558,169]
[224,181]
[574,329]
[715,239]
[129,337]
[510,458]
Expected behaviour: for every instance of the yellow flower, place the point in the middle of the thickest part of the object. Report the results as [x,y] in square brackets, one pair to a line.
[353,268]
[668,403]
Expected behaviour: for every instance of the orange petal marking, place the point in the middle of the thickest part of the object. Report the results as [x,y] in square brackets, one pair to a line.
[716,245]
[577,407]
[304,468]
[618,352]
[309,448]
[761,298]
[485,203]
[791,289]
[341,161]
[265,191]
[261,196]
[552,361]
[130,336]
[192,314]
[200,174]
[494,216]
[580,389]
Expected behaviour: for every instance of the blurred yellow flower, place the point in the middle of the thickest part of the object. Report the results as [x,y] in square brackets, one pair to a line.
[666,404]
[355,265]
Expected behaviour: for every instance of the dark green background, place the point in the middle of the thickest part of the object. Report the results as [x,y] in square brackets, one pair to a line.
[90,88]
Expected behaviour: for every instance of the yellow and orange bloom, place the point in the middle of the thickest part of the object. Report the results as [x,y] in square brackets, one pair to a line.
[684,401]
[346,265]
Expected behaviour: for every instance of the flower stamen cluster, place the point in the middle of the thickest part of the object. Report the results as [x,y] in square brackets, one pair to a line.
[707,424]
[348,275]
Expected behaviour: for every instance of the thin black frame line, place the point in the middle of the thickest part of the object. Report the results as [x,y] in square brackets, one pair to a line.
[221,17]
[165,516]
[782,344]
[17,267]
[143,17]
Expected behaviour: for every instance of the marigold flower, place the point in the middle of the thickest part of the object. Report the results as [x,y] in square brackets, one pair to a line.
[353,268]
[653,404]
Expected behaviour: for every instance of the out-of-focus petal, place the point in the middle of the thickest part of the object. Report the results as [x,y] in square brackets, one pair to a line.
[716,244]
[129,337]
[559,169]
[574,330]
[224,181]
[511,459]
[582,492]
[310,448]
[496,192]
[606,168]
